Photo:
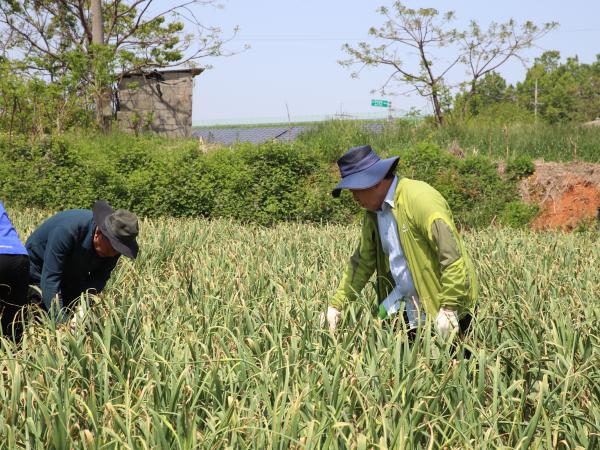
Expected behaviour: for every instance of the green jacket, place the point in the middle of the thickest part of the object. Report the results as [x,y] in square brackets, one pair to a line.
[443,273]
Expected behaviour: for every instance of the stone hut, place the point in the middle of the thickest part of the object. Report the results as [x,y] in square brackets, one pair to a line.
[159,101]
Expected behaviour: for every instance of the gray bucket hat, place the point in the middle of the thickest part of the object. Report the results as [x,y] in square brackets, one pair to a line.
[120,227]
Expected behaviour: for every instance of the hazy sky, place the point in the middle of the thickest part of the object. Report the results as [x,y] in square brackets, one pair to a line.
[295,46]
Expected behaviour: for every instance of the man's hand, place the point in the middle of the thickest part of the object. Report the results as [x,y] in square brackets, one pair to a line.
[72,324]
[79,315]
[333,317]
[446,322]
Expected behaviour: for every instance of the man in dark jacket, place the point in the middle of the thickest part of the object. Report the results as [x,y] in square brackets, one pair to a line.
[75,251]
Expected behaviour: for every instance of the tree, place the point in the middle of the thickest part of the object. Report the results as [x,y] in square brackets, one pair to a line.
[490,89]
[55,39]
[420,29]
[36,105]
[483,52]
[568,91]
[102,94]
[428,32]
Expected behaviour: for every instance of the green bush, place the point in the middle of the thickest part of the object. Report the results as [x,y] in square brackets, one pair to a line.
[502,113]
[331,139]
[517,214]
[472,186]
[520,167]
[264,184]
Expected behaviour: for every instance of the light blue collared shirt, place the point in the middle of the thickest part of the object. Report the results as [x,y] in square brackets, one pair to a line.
[404,292]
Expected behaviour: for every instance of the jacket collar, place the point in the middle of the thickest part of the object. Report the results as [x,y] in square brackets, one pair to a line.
[391,194]
[88,243]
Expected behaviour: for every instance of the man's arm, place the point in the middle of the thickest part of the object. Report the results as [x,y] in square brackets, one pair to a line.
[58,247]
[359,269]
[434,220]
[454,279]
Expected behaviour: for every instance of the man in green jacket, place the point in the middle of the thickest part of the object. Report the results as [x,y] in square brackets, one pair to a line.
[409,238]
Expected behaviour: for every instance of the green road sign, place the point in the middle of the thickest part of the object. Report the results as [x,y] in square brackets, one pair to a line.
[382,103]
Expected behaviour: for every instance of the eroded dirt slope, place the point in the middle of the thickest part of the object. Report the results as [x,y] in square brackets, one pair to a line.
[568,194]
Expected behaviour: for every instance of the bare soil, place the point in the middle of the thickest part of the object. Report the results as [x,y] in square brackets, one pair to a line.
[568,194]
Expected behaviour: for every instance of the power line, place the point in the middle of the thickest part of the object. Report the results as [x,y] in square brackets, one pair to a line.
[267,38]
[577,31]
[299,39]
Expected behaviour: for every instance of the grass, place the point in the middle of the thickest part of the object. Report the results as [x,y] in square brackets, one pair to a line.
[210,339]
[256,125]
[561,143]
[311,123]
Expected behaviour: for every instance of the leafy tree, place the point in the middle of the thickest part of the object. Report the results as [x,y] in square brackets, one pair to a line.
[37,106]
[489,90]
[568,91]
[54,39]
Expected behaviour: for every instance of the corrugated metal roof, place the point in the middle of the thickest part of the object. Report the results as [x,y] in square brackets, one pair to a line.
[258,135]
[195,71]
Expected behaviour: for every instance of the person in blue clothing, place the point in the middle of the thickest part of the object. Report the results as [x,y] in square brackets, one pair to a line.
[75,251]
[14,276]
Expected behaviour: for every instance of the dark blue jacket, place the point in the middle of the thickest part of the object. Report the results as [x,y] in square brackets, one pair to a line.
[62,258]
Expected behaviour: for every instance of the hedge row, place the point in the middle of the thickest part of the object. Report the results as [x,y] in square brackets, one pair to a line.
[265,184]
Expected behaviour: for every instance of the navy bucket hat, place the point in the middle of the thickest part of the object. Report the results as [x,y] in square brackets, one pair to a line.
[361,168]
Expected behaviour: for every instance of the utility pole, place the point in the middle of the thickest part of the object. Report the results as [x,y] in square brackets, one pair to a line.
[289,123]
[535,101]
[341,115]
[97,22]
[103,116]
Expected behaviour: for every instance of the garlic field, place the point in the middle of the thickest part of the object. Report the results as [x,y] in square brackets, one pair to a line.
[211,339]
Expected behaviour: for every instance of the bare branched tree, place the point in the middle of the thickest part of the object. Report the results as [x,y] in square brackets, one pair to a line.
[424,32]
[483,52]
[420,31]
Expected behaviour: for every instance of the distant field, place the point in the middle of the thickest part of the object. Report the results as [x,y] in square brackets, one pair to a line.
[257,125]
[287,124]
[211,340]
[563,142]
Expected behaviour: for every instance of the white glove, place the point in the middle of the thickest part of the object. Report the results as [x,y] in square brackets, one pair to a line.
[333,317]
[78,316]
[446,322]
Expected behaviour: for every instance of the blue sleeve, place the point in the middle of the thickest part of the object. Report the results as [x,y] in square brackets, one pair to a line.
[59,246]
